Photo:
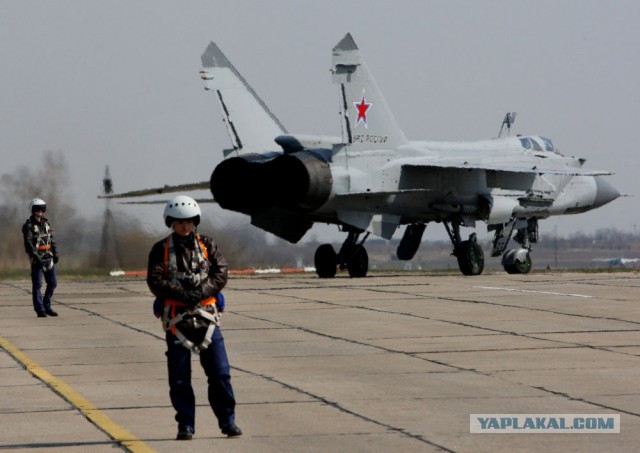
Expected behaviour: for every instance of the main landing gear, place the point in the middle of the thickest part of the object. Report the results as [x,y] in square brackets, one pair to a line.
[352,256]
[516,261]
[469,253]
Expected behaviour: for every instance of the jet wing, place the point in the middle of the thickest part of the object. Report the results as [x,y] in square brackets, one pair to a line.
[383,193]
[160,190]
[502,167]
[198,200]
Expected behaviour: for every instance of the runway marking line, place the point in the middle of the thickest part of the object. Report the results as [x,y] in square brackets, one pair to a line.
[536,292]
[113,430]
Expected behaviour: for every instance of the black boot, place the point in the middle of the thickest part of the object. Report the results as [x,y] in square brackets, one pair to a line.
[184,433]
[232,431]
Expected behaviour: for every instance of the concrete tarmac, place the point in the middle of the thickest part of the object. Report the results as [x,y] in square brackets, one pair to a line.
[391,362]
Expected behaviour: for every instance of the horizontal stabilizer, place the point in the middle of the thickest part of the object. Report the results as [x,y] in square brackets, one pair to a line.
[286,226]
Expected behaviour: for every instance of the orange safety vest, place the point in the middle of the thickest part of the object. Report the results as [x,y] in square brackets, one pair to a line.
[176,303]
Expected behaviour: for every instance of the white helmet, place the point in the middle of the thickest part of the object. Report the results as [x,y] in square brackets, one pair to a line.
[39,203]
[181,207]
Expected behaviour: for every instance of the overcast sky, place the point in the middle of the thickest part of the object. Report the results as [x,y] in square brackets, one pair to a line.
[116,82]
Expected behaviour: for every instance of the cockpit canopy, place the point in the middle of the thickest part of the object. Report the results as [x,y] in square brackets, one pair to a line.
[537,143]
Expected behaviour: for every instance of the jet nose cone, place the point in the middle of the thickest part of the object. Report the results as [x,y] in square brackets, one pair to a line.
[605,192]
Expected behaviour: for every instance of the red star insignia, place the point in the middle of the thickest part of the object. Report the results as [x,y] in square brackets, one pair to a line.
[362,106]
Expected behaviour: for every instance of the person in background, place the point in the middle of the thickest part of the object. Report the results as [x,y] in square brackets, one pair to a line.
[186,273]
[40,245]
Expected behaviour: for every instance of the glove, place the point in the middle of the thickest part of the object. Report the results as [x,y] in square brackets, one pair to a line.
[196,296]
[47,265]
[194,279]
[193,297]
[158,307]
[55,259]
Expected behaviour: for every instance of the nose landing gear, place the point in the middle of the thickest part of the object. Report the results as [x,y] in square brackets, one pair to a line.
[516,261]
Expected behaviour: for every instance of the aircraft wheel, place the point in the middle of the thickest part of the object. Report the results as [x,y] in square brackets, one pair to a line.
[326,261]
[519,267]
[470,257]
[358,262]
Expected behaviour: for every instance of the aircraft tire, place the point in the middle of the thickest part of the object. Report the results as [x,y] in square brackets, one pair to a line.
[358,262]
[519,267]
[470,257]
[326,261]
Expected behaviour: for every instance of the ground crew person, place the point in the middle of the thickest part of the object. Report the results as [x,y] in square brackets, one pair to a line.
[186,272]
[40,245]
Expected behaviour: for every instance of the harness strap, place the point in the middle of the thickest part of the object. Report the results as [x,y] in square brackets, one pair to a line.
[200,263]
[214,320]
[177,303]
[170,311]
[43,240]
[199,259]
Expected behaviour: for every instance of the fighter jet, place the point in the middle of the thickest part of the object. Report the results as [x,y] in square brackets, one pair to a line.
[372,179]
[618,261]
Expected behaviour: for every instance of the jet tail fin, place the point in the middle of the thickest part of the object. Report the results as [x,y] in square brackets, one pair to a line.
[250,124]
[368,122]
